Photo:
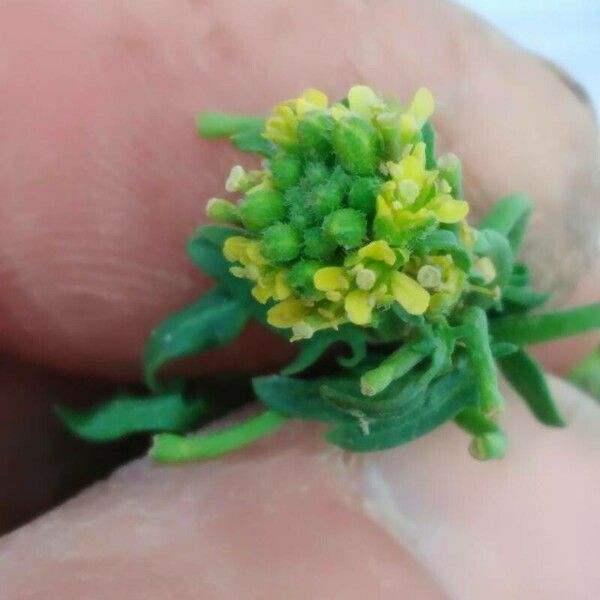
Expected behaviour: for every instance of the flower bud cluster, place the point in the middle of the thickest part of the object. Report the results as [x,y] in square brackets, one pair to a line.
[329,226]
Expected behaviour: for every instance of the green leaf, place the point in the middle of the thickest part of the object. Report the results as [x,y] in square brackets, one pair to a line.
[526,329]
[298,398]
[251,140]
[446,397]
[523,297]
[125,415]
[509,217]
[445,241]
[311,350]
[502,349]
[586,374]
[495,245]
[212,124]
[170,448]
[527,378]
[212,322]
[428,135]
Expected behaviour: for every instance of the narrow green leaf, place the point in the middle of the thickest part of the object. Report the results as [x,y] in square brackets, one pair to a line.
[524,297]
[251,140]
[529,329]
[447,396]
[170,448]
[213,124]
[586,374]
[428,135]
[125,415]
[212,322]
[298,398]
[509,216]
[501,349]
[527,378]
[311,350]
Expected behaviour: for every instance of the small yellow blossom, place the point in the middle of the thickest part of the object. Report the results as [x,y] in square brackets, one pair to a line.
[413,297]
[365,102]
[287,313]
[378,250]
[358,307]
[331,279]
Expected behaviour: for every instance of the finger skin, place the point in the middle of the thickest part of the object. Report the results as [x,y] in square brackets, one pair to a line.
[280,521]
[102,177]
[285,519]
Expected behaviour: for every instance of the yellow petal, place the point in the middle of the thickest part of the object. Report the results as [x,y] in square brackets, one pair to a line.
[362,99]
[422,105]
[234,248]
[358,308]
[282,290]
[378,250]
[448,210]
[315,97]
[409,294]
[287,313]
[262,293]
[331,278]
[253,253]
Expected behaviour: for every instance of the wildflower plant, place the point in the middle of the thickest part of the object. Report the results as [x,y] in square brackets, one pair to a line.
[352,241]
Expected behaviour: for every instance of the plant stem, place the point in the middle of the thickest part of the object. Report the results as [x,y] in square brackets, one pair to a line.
[482,361]
[217,124]
[489,441]
[534,329]
[168,447]
[394,366]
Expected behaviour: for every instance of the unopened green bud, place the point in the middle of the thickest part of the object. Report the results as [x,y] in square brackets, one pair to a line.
[315,174]
[261,208]
[286,171]
[317,245]
[298,215]
[281,243]
[326,198]
[357,145]
[300,278]
[489,446]
[347,226]
[451,172]
[314,133]
[363,194]
[224,211]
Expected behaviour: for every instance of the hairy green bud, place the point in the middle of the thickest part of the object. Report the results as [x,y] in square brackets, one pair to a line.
[317,245]
[363,194]
[300,278]
[314,133]
[223,211]
[315,173]
[261,208]
[281,243]
[347,226]
[286,171]
[357,145]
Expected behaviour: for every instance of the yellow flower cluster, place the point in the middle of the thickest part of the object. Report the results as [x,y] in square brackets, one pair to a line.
[384,269]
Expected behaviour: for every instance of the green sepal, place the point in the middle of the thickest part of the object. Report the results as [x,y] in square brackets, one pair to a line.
[128,414]
[494,245]
[447,242]
[509,216]
[527,329]
[446,397]
[215,320]
[428,136]
[312,350]
[527,378]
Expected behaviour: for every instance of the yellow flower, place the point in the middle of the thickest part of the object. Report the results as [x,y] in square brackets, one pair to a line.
[287,313]
[281,128]
[378,250]
[359,307]
[420,109]
[447,209]
[330,279]
[363,101]
[409,294]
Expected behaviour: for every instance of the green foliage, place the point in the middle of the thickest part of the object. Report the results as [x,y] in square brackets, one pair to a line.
[212,322]
[527,378]
[127,414]
[509,217]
